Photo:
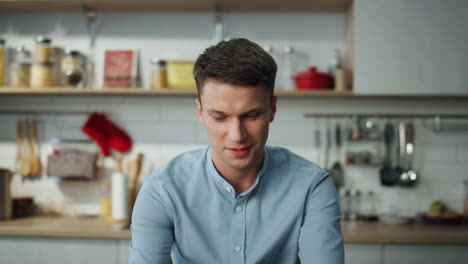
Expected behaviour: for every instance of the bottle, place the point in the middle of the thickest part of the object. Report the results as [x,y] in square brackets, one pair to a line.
[158,73]
[288,68]
[119,192]
[105,202]
[278,81]
[334,64]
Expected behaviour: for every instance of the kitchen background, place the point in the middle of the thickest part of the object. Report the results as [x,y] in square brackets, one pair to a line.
[163,127]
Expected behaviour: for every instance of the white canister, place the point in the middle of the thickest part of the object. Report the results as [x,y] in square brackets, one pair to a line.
[119,196]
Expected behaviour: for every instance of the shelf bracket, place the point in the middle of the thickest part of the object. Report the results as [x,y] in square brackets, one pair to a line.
[218,24]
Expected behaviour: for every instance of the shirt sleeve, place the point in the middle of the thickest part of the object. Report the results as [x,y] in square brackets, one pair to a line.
[320,239]
[152,228]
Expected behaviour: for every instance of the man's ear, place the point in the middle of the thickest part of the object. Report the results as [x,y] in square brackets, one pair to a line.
[200,111]
[273,108]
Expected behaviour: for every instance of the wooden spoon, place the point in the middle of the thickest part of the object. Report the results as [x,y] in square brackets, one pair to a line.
[25,162]
[19,146]
[34,159]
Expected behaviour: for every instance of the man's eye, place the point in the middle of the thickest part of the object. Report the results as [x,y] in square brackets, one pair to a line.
[253,116]
[219,118]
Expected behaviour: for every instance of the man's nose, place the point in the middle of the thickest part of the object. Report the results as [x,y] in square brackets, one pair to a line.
[237,131]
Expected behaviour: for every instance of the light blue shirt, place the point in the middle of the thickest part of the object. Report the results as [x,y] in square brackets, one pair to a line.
[290,215]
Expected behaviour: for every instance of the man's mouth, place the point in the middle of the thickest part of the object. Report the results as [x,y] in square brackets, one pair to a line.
[239,152]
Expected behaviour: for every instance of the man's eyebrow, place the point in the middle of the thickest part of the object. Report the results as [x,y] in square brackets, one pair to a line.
[214,111]
[257,109]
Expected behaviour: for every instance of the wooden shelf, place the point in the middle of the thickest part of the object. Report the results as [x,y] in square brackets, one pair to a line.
[192,92]
[175,5]
[155,92]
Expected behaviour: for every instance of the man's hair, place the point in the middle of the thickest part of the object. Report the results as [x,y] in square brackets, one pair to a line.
[237,61]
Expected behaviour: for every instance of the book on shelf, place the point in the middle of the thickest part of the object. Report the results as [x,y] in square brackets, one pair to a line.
[120,69]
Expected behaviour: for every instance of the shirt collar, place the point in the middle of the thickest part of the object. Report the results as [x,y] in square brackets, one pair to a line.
[225,187]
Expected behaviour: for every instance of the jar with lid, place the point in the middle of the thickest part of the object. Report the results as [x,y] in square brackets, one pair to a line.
[72,68]
[20,68]
[43,51]
[42,75]
[2,62]
[158,73]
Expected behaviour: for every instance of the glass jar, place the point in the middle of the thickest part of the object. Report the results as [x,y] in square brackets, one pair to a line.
[2,62]
[20,74]
[158,73]
[42,75]
[43,51]
[20,68]
[72,68]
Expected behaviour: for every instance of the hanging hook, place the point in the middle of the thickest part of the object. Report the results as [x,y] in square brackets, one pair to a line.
[437,125]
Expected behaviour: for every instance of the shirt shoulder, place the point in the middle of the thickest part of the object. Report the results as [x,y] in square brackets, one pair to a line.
[180,169]
[297,167]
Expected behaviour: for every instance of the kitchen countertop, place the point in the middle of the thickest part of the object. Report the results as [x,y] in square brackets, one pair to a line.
[354,232]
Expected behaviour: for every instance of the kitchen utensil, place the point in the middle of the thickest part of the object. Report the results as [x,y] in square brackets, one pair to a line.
[5,198]
[19,146]
[134,168]
[388,177]
[336,169]
[400,154]
[410,176]
[317,143]
[25,161]
[35,159]
[326,153]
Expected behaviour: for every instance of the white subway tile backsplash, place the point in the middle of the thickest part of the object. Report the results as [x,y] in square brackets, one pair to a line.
[462,155]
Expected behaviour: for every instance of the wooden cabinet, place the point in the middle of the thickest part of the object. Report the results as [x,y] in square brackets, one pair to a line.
[410,47]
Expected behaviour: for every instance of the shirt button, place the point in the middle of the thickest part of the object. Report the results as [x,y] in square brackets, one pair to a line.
[229,189]
[238,209]
[237,248]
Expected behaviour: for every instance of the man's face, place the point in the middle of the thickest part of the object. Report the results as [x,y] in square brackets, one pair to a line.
[237,120]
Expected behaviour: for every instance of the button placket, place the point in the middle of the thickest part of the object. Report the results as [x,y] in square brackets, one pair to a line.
[238,230]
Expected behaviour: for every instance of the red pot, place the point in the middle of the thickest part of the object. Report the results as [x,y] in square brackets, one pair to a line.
[312,79]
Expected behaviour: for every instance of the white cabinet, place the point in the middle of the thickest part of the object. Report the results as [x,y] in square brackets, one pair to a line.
[26,250]
[425,254]
[411,47]
[124,251]
[363,253]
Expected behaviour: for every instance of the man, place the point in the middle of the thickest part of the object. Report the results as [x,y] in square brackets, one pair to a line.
[237,201]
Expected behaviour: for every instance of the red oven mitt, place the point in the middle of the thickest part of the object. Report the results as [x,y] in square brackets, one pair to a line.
[106,134]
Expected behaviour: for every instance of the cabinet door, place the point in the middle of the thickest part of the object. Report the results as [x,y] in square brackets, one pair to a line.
[411,47]
[124,251]
[57,250]
[424,254]
[363,253]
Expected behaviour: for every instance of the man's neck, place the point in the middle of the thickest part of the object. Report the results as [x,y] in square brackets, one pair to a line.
[241,180]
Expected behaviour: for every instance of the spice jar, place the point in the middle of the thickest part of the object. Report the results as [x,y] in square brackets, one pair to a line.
[20,68]
[43,52]
[72,68]
[158,73]
[2,62]
[20,74]
[42,75]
